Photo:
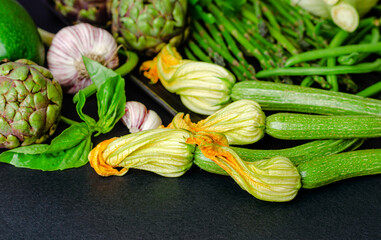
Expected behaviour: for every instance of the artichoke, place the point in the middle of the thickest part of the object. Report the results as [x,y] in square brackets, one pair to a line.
[95,12]
[147,26]
[30,103]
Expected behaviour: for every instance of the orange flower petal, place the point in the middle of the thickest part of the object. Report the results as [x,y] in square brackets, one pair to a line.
[98,163]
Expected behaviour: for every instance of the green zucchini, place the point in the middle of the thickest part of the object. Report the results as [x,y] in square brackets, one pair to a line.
[325,170]
[297,155]
[285,97]
[296,126]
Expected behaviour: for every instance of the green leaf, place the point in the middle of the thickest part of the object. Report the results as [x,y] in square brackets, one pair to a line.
[79,106]
[111,98]
[111,104]
[98,73]
[68,150]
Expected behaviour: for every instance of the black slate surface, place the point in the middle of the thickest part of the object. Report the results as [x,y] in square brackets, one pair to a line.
[79,204]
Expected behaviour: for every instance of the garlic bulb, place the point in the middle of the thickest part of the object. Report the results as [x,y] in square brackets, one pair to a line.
[137,118]
[64,56]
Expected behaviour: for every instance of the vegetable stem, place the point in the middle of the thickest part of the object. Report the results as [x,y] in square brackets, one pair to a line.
[46,37]
[129,65]
[67,120]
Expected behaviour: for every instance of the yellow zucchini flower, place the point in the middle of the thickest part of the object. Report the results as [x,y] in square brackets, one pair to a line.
[242,122]
[162,151]
[275,179]
[203,87]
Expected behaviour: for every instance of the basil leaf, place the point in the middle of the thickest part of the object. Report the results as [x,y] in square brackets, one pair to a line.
[98,73]
[111,98]
[79,106]
[68,150]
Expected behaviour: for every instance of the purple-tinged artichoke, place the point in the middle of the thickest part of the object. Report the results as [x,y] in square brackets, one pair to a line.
[95,12]
[145,26]
[30,103]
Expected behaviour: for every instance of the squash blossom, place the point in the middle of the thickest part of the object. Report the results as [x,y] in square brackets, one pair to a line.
[275,179]
[162,151]
[242,122]
[203,87]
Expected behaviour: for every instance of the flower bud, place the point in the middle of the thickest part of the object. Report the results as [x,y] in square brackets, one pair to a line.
[242,122]
[162,151]
[203,87]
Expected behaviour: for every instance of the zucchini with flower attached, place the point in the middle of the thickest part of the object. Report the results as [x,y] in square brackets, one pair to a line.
[297,155]
[275,179]
[295,126]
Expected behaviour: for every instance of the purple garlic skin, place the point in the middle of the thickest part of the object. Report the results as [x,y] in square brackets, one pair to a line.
[64,56]
[137,118]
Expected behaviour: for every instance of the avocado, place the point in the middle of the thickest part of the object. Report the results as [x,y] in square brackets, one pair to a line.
[19,37]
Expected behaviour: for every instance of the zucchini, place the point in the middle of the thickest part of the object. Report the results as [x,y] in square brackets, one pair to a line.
[325,170]
[297,155]
[285,97]
[296,126]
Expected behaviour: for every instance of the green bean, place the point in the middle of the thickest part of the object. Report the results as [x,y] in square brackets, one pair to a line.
[332,52]
[300,71]
[371,90]
[349,59]
[339,38]
[307,82]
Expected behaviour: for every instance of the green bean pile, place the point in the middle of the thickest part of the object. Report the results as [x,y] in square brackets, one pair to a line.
[278,41]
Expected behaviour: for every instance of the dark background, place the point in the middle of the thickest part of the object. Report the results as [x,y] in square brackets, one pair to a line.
[79,204]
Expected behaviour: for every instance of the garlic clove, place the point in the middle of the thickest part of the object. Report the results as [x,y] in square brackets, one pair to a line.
[135,113]
[137,118]
[152,121]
